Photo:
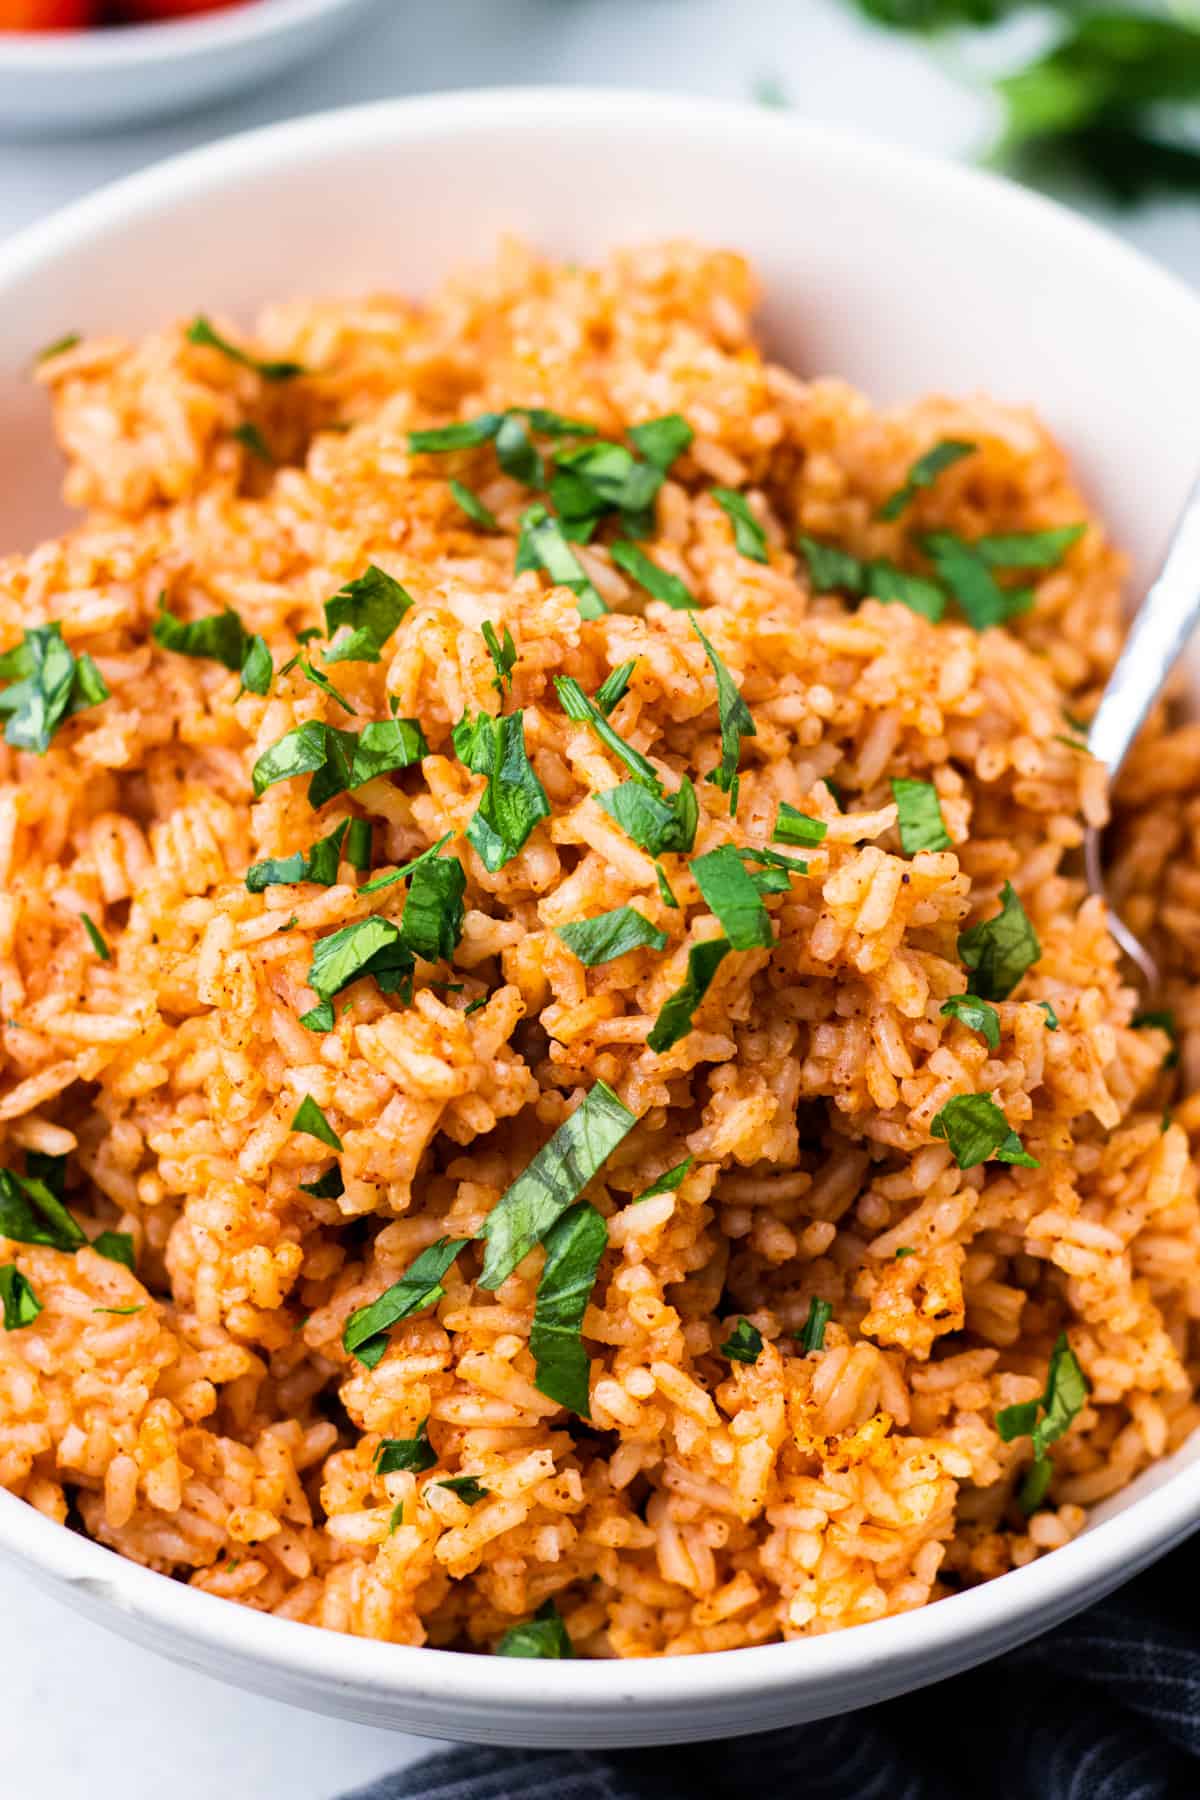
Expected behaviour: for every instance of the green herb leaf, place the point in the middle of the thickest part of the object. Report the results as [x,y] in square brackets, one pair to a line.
[59,347]
[201,331]
[395,1517]
[812,1337]
[744,1343]
[665,891]
[503,655]
[895,586]
[1047,1418]
[1028,549]
[748,535]
[251,438]
[371,606]
[1000,949]
[658,582]
[298,752]
[309,1118]
[831,569]
[117,1246]
[574,1245]
[354,758]
[1051,1015]
[358,845]
[467,434]
[468,1489]
[736,722]
[48,684]
[675,1019]
[977,1131]
[553,1181]
[668,1182]
[516,454]
[541,545]
[366,1331]
[904,1250]
[923,473]
[614,687]
[31,1213]
[601,477]
[98,944]
[319,1017]
[1161,1021]
[368,947]
[257,667]
[661,440]
[610,935]
[922,826]
[793,827]
[577,706]
[543,1636]
[21,1305]
[413,1455]
[975,1014]
[329,1186]
[323,682]
[514,800]
[659,823]
[406,869]
[319,864]
[972,583]
[733,898]
[473,506]
[432,921]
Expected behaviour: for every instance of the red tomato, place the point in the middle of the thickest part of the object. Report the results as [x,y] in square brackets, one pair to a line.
[147,10]
[47,15]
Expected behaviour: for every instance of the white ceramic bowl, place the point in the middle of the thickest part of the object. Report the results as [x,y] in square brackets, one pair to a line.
[903,275]
[77,81]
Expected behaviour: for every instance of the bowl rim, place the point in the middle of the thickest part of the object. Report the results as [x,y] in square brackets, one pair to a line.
[89,51]
[985,1619]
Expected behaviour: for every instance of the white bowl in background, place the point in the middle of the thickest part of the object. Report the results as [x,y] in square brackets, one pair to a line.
[902,274]
[68,82]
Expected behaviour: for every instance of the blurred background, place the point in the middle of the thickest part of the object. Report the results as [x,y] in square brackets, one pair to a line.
[1099,104]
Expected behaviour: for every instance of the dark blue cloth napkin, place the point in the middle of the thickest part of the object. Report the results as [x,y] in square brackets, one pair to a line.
[1105,1708]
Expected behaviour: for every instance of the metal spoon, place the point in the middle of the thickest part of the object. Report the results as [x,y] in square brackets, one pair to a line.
[1160,632]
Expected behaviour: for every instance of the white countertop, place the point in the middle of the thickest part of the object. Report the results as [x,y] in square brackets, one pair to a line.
[75,1700]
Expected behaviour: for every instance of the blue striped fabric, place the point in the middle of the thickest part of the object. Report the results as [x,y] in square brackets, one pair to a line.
[1105,1708]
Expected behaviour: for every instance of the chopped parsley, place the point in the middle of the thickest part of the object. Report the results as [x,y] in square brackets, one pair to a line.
[358,845]
[329,1186]
[1047,1418]
[47,684]
[676,1017]
[658,822]
[323,682]
[543,545]
[513,800]
[831,569]
[976,1014]
[319,864]
[406,869]
[1051,1015]
[370,607]
[665,891]
[503,654]
[922,826]
[923,473]
[543,1636]
[610,935]
[515,452]
[432,921]
[1161,1021]
[251,438]
[668,1182]
[593,479]
[736,723]
[614,687]
[574,1245]
[59,347]
[412,1455]
[903,1251]
[466,1487]
[97,942]
[339,760]
[117,1246]
[977,1131]
[319,1017]
[310,1119]
[812,1335]
[970,580]
[999,950]
[663,439]
[257,667]
[372,946]
[365,1333]
[32,1212]
[658,582]
[748,535]
[792,827]
[733,898]
[1028,549]
[553,1181]
[21,1305]
[835,571]
[466,434]
[201,331]
[899,587]
[744,1343]
[473,506]
[577,706]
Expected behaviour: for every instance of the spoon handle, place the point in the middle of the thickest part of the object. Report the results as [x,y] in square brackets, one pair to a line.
[1164,623]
